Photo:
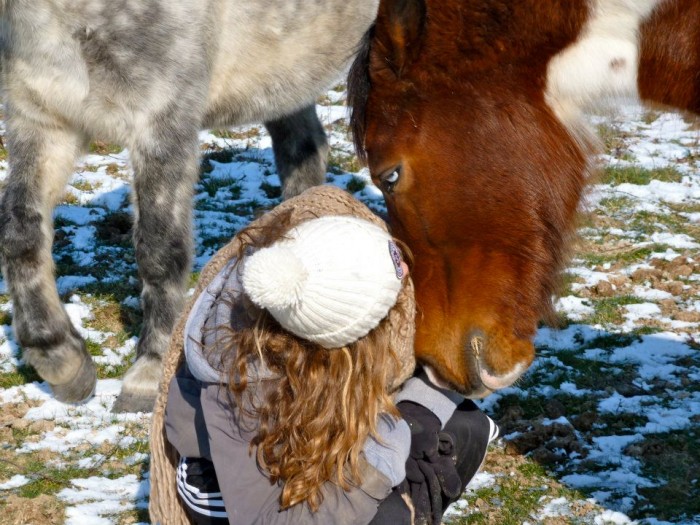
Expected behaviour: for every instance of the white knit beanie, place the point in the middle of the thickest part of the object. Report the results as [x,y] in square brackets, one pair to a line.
[329,280]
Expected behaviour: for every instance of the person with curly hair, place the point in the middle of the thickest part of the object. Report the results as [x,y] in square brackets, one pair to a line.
[295,403]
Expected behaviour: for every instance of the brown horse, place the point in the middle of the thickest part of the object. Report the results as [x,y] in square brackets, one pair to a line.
[468,113]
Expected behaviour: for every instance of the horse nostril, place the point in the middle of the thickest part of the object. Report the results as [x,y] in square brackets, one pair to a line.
[476,340]
[477,344]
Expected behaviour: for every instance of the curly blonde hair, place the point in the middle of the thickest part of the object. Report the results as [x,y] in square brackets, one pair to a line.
[305,437]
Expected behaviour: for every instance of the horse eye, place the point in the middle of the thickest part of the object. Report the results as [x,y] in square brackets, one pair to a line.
[390,178]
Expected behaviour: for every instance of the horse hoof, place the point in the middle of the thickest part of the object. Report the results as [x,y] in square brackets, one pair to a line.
[140,386]
[130,402]
[66,366]
[81,387]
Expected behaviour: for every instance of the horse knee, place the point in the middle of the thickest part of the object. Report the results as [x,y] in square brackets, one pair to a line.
[300,146]
[21,232]
[163,237]
[308,171]
[163,260]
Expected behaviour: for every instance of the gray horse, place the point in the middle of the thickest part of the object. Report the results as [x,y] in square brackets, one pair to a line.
[148,74]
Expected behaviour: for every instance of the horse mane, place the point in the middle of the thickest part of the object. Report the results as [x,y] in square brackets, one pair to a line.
[358,86]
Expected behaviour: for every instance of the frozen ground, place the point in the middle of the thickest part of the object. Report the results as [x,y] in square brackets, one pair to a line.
[603,429]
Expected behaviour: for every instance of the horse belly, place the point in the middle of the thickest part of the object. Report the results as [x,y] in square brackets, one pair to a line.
[273,59]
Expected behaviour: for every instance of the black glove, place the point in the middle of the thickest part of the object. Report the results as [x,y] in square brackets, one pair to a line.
[425,427]
[445,468]
[431,472]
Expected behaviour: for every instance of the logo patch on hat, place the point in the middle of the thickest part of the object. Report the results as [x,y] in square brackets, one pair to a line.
[396,259]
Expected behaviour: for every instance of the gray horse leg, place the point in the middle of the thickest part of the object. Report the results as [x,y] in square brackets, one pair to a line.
[165,170]
[42,157]
[301,150]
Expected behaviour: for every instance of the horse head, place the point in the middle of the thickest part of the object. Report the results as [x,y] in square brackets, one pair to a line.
[481,178]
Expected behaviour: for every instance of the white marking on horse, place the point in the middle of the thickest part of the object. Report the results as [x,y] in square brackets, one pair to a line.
[602,63]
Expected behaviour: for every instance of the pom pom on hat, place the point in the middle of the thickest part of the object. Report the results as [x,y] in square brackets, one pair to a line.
[274,277]
[329,280]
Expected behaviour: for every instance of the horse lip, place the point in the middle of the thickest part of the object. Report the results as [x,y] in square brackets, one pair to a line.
[478,391]
[494,382]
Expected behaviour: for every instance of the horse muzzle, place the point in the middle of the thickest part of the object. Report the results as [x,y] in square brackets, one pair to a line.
[481,379]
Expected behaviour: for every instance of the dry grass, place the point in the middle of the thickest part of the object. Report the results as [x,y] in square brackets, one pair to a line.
[42,510]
